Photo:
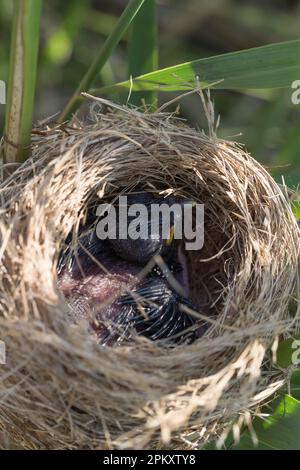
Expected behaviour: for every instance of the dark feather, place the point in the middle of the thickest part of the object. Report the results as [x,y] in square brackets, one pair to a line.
[155,311]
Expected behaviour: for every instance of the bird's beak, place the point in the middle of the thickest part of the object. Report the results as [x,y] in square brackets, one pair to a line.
[170,238]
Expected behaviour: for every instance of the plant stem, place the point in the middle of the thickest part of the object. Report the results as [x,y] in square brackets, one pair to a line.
[21,80]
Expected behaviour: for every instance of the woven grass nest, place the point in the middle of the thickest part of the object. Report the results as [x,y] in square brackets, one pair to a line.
[59,387]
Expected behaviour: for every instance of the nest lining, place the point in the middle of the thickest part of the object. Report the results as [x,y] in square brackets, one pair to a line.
[62,390]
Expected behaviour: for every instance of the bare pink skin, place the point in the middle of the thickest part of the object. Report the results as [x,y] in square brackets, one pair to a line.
[92,297]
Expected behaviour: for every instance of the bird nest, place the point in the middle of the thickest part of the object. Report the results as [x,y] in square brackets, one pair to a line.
[61,389]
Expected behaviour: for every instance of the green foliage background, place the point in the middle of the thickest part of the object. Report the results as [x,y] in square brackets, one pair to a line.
[73,31]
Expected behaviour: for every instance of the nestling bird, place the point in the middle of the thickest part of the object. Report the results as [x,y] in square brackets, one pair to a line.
[141,250]
[102,283]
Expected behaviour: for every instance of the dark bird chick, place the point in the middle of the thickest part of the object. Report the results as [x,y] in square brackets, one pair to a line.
[108,292]
[141,250]
[155,311]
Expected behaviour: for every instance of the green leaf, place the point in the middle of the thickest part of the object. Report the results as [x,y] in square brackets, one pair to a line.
[111,42]
[21,80]
[271,66]
[280,431]
[295,384]
[288,352]
[142,50]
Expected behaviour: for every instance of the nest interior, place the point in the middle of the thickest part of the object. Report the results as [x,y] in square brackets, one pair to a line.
[59,388]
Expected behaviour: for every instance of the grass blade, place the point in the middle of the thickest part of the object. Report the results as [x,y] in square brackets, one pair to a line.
[110,43]
[21,80]
[143,51]
[271,66]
